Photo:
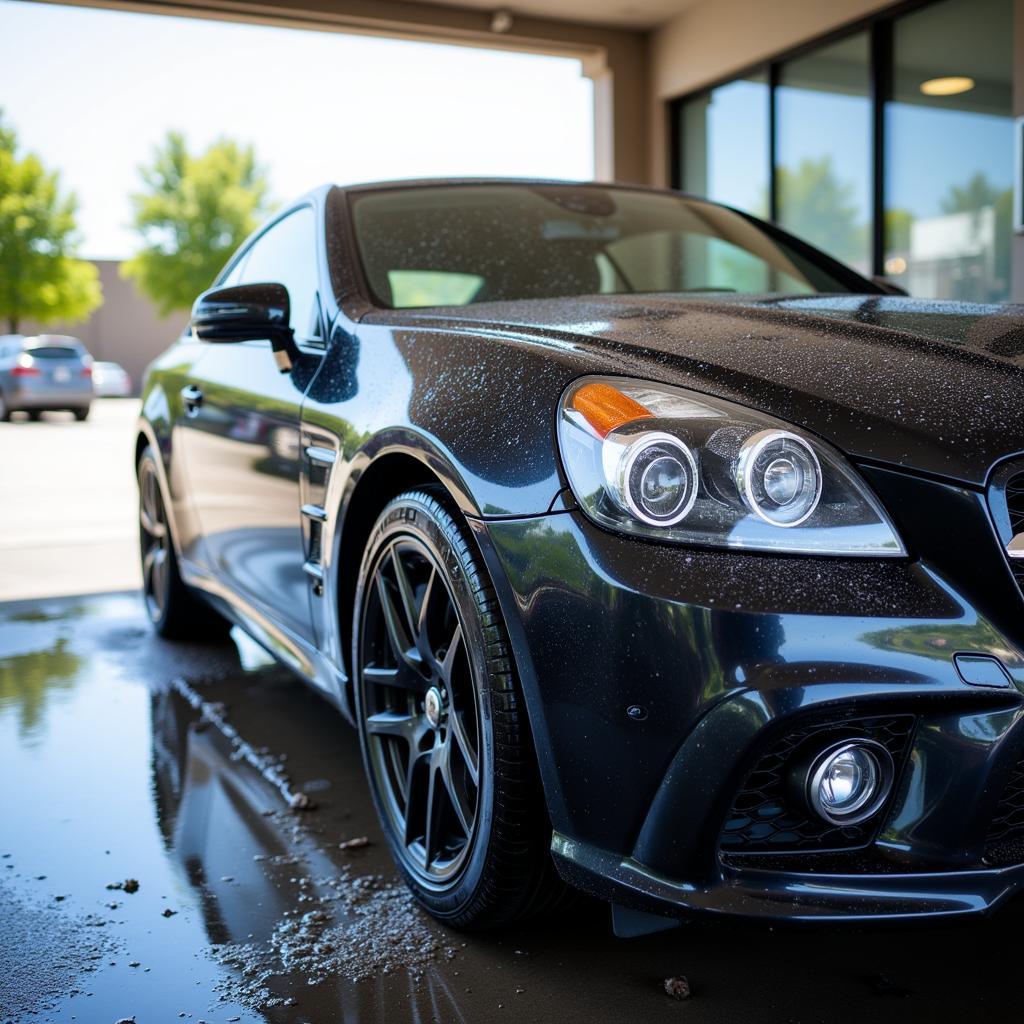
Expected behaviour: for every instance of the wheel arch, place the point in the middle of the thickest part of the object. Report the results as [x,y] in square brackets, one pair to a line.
[375,484]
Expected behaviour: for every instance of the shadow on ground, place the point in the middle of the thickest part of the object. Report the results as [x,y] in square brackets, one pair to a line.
[247,910]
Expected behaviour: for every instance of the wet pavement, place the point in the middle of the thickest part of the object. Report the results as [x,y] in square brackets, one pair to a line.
[152,869]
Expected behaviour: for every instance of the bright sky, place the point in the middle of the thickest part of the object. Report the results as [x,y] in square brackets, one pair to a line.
[92,92]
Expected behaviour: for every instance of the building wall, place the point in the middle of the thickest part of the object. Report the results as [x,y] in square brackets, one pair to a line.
[126,329]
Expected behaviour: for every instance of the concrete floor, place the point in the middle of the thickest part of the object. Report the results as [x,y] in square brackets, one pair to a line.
[67,503]
[126,758]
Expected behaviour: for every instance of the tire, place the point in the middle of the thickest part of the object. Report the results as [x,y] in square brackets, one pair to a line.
[174,609]
[437,703]
[35,415]
[5,410]
[81,414]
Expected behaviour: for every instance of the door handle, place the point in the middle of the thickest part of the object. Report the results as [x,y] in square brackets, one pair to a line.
[193,398]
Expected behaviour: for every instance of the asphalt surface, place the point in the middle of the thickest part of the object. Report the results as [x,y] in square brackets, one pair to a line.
[67,503]
[127,760]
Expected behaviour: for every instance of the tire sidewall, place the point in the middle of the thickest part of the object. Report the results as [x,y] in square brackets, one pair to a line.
[416,516]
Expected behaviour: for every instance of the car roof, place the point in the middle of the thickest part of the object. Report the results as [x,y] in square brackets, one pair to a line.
[413,183]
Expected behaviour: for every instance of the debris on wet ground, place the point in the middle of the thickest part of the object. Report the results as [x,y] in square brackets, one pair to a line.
[45,954]
[678,987]
[361,927]
[266,764]
[167,912]
[354,844]
[129,885]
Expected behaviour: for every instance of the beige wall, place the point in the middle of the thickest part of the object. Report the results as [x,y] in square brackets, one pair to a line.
[125,329]
[716,38]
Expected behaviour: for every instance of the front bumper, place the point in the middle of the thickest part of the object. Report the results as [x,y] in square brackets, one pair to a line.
[658,678]
[48,396]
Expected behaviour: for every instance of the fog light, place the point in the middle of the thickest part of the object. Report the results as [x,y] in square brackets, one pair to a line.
[849,782]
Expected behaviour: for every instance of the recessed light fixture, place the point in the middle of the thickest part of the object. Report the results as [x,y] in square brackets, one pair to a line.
[949,86]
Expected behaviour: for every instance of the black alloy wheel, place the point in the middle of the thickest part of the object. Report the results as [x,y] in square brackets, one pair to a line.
[443,731]
[154,542]
[175,611]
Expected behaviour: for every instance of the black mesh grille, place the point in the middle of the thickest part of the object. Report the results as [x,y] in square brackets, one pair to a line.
[1015,510]
[1004,843]
[765,818]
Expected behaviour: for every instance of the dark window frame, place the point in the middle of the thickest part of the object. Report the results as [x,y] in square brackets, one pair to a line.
[879,28]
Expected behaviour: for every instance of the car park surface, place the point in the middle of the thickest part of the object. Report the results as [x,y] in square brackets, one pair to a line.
[115,776]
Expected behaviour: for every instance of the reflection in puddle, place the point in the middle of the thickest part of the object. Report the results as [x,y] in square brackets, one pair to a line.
[283,912]
[28,680]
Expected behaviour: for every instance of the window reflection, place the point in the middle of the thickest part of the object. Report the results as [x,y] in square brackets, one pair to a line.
[949,141]
[725,144]
[823,170]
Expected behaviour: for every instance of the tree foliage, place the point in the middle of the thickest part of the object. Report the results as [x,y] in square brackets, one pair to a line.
[819,207]
[192,214]
[39,275]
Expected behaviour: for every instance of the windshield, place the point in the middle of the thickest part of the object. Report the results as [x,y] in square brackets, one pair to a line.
[459,244]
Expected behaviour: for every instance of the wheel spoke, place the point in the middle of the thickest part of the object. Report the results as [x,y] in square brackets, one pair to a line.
[392,723]
[417,758]
[152,526]
[428,828]
[457,729]
[448,662]
[150,511]
[405,591]
[147,569]
[382,676]
[397,635]
[428,590]
[463,813]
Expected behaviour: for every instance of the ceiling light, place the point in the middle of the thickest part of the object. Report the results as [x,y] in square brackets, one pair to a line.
[949,86]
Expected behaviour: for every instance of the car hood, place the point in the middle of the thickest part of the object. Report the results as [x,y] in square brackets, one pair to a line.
[933,386]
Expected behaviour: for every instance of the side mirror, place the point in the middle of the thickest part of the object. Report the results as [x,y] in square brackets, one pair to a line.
[247,312]
[889,287]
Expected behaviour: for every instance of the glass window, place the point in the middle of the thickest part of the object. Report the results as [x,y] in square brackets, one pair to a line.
[949,142]
[725,145]
[287,254]
[494,243]
[432,288]
[823,149]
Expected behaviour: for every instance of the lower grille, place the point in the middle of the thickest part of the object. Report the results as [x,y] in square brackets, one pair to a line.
[1004,843]
[766,819]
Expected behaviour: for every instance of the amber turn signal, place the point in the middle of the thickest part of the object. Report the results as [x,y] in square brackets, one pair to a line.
[606,408]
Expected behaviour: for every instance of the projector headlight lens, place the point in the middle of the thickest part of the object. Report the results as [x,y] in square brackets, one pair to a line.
[848,783]
[656,479]
[675,465]
[778,477]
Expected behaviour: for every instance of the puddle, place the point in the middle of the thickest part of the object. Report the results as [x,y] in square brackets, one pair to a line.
[248,910]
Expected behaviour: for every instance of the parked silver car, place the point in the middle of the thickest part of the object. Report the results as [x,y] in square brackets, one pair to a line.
[46,371]
[110,380]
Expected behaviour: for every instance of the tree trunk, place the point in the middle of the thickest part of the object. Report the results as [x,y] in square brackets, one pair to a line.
[12,323]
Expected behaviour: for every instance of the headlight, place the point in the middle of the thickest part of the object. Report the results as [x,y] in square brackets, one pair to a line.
[662,462]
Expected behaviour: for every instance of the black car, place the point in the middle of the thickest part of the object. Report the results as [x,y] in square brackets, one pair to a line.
[648,548]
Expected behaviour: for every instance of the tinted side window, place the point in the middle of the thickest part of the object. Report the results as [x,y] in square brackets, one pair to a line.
[287,254]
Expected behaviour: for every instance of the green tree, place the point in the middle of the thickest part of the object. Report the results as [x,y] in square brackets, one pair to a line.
[814,204]
[39,275]
[192,214]
[979,194]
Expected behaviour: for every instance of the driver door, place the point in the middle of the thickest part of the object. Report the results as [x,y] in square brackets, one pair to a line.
[241,420]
